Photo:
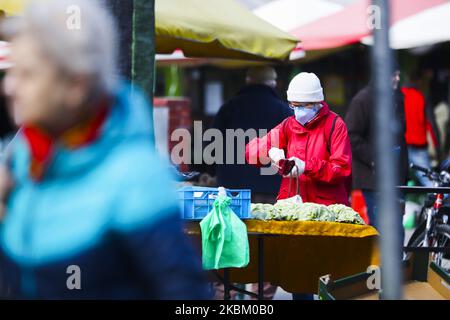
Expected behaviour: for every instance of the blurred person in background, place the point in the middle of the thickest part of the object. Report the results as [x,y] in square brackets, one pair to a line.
[256,106]
[441,113]
[84,191]
[360,119]
[419,121]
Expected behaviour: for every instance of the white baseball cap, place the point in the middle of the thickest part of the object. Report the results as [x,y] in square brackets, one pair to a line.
[305,87]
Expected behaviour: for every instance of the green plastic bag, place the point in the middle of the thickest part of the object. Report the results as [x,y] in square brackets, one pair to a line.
[224,237]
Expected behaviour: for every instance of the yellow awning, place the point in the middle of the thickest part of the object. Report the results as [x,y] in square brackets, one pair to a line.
[208,28]
[218,28]
[13,7]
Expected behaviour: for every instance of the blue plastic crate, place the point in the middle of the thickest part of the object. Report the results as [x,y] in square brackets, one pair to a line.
[197,202]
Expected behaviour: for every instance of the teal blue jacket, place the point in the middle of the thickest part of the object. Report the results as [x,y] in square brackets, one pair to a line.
[109,209]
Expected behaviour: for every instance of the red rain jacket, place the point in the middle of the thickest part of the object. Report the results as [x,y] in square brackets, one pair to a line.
[324,147]
[417,123]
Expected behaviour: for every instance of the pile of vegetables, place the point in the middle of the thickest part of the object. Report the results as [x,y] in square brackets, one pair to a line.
[291,210]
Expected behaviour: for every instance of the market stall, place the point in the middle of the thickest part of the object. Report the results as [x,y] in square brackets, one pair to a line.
[297,253]
[355,22]
[291,244]
[292,253]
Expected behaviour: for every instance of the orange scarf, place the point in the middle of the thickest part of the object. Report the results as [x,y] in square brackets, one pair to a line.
[42,144]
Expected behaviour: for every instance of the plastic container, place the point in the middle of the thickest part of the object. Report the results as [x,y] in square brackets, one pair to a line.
[197,202]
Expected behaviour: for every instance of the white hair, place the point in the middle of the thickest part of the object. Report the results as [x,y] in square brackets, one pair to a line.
[78,35]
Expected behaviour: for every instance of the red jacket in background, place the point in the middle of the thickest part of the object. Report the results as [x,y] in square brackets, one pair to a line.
[328,160]
[415,117]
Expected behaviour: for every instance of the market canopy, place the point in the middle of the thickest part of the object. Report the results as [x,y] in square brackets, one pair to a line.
[284,14]
[289,15]
[213,28]
[350,25]
[218,28]
[427,27]
[13,7]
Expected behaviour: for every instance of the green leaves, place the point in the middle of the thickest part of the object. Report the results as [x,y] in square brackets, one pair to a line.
[291,211]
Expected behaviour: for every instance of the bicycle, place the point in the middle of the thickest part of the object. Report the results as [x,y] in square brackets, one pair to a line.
[433,228]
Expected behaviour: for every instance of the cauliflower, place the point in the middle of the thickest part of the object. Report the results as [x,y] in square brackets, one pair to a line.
[346,214]
[291,210]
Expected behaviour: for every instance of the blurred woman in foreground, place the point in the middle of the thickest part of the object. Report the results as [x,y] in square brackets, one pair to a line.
[90,210]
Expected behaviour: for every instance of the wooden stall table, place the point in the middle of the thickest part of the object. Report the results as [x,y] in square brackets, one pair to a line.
[295,254]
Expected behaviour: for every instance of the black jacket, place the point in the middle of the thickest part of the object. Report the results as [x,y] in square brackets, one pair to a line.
[254,107]
[360,121]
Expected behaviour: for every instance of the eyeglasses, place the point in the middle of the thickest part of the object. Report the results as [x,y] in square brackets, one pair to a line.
[294,105]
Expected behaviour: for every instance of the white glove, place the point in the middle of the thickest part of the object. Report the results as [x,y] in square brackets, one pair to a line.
[276,155]
[299,167]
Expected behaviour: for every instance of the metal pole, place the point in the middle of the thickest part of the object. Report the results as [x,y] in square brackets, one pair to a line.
[123,13]
[143,48]
[136,27]
[389,217]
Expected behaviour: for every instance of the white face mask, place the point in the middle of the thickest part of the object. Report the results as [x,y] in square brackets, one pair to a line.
[304,115]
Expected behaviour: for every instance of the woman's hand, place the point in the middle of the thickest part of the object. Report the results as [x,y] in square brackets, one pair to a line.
[299,167]
[276,155]
[6,185]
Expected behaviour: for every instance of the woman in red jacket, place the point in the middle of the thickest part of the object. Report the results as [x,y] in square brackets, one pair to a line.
[316,139]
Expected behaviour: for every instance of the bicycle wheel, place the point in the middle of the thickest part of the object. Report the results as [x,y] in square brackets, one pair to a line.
[416,239]
[418,235]
[440,239]
[443,229]
[443,233]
